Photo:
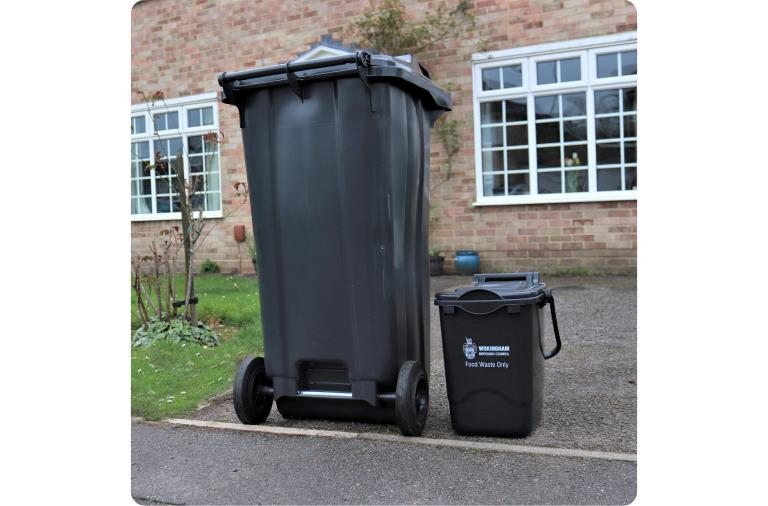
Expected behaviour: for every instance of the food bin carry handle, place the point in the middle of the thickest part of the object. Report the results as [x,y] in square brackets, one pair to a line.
[551,301]
[531,277]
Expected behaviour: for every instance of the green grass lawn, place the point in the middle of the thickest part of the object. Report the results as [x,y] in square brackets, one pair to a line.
[168,378]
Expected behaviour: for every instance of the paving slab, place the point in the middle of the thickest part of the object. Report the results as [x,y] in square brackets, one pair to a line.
[590,389]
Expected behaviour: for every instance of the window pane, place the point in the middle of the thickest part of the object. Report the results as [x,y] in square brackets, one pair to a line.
[608,65]
[550,182]
[630,152]
[208,116]
[163,204]
[211,163]
[628,63]
[609,179]
[159,121]
[574,104]
[630,126]
[546,72]
[547,107]
[195,164]
[193,117]
[513,76]
[172,121]
[517,184]
[576,155]
[491,79]
[517,135]
[176,205]
[608,153]
[134,187]
[212,201]
[145,187]
[134,206]
[493,185]
[517,109]
[493,160]
[548,157]
[517,159]
[576,181]
[630,99]
[138,125]
[607,128]
[212,181]
[492,137]
[490,112]
[548,132]
[162,185]
[174,146]
[140,150]
[570,70]
[630,178]
[195,144]
[198,202]
[606,101]
[575,130]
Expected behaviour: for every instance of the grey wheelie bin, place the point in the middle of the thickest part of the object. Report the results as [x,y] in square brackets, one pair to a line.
[337,157]
[493,352]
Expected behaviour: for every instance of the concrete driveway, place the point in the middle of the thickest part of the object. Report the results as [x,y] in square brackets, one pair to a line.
[590,403]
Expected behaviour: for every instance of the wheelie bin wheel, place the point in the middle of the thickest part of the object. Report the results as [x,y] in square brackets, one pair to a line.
[252,404]
[411,398]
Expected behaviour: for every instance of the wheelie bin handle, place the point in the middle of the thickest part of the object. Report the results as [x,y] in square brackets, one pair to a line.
[549,299]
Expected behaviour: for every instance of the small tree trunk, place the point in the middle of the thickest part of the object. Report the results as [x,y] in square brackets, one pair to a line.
[186,226]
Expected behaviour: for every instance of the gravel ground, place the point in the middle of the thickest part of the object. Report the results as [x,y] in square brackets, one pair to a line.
[172,465]
[590,395]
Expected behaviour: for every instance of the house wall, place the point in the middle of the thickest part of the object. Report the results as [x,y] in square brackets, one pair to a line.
[180,46]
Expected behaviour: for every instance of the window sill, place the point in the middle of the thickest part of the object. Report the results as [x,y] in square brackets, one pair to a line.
[555,199]
[172,216]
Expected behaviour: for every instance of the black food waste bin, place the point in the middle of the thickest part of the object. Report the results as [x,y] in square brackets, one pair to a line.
[493,352]
[337,158]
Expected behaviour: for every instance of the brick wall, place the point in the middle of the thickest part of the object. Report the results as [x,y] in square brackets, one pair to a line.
[180,46]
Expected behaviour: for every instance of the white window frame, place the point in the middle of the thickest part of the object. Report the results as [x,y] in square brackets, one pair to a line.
[587,49]
[180,105]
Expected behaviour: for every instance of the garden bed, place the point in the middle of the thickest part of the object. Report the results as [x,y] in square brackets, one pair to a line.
[170,378]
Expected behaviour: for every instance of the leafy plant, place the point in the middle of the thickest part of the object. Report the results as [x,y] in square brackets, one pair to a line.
[209,267]
[177,330]
[434,252]
[385,27]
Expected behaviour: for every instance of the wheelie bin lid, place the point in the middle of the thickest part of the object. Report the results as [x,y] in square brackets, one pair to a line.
[404,71]
[488,292]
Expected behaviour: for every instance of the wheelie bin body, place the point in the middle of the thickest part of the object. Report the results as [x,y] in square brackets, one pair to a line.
[337,160]
[493,352]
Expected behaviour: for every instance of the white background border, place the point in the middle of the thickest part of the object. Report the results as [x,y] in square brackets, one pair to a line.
[702,222]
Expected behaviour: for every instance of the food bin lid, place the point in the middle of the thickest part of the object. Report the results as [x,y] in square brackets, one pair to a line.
[488,292]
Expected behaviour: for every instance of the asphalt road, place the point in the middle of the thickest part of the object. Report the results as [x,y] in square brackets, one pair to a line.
[590,402]
[590,388]
[172,465]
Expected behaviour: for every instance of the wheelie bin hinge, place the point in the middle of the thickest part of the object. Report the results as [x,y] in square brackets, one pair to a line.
[293,81]
[363,61]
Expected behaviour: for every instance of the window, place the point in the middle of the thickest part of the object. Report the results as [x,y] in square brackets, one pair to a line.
[175,135]
[557,122]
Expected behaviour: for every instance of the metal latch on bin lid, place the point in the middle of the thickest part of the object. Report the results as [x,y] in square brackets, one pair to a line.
[363,61]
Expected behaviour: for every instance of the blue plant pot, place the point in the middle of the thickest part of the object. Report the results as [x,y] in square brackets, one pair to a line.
[467,262]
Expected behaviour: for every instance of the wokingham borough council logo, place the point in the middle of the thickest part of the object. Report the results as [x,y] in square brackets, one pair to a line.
[470,349]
